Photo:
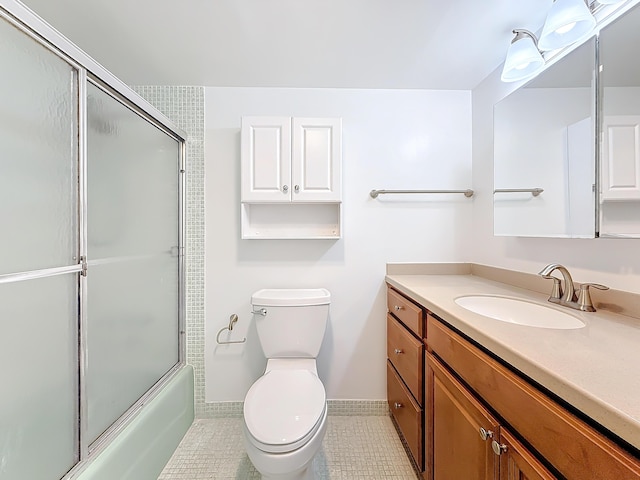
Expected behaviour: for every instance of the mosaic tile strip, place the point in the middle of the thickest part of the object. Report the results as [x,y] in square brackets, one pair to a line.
[358,407]
[338,408]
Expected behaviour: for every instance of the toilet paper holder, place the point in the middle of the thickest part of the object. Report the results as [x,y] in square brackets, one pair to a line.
[232,320]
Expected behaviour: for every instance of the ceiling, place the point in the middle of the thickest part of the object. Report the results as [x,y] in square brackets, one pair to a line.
[425,44]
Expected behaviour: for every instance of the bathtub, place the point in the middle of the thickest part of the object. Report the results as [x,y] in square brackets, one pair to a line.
[144,446]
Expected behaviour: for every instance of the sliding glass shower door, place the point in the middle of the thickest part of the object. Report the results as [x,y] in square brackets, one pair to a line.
[91,256]
[39,249]
[132,303]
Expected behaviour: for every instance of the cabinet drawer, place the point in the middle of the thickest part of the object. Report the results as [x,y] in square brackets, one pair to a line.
[406,412]
[574,448]
[406,311]
[405,353]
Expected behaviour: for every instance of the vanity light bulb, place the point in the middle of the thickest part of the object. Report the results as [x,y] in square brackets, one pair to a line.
[565,28]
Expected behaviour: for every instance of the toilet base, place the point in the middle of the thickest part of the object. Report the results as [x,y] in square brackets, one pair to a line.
[306,474]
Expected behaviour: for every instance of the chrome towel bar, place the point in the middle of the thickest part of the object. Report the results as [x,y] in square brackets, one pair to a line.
[375,193]
[534,191]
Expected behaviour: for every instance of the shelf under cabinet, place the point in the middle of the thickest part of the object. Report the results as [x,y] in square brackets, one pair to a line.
[290,221]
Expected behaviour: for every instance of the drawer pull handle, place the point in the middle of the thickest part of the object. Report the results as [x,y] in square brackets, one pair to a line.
[397,308]
[485,434]
[397,405]
[497,448]
[398,351]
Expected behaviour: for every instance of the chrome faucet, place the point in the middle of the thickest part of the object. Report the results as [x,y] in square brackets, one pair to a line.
[568,298]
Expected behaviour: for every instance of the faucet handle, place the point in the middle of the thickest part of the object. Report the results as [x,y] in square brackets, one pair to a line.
[556,290]
[584,297]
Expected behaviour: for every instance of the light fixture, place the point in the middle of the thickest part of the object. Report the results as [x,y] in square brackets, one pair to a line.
[608,2]
[523,57]
[567,22]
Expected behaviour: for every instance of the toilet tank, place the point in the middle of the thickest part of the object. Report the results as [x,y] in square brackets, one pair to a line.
[294,323]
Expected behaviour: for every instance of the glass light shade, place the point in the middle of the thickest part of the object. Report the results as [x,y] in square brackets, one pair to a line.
[523,59]
[608,2]
[567,22]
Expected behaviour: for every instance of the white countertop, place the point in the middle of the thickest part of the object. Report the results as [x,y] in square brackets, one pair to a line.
[594,368]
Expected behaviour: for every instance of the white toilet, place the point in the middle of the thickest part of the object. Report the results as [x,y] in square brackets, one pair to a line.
[285,410]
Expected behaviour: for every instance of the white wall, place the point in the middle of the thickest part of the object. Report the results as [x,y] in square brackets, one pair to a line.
[391,139]
[614,262]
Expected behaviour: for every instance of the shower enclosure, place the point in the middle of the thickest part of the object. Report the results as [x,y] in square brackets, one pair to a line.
[91,252]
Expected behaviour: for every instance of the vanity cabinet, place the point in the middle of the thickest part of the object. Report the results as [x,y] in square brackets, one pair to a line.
[464,440]
[405,370]
[468,388]
[290,178]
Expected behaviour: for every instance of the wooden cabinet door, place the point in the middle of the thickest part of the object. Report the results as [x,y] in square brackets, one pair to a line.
[265,150]
[517,463]
[456,417]
[316,160]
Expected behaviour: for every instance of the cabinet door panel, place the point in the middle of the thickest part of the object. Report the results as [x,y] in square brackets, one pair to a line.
[266,159]
[574,448]
[458,449]
[517,463]
[317,149]
[621,158]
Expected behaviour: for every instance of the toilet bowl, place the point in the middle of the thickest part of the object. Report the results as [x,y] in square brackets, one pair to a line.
[285,410]
[285,419]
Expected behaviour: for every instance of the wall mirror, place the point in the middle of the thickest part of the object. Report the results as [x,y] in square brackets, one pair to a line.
[544,152]
[619,192]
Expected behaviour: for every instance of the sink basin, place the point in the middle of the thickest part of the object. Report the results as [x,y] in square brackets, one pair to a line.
[519,311]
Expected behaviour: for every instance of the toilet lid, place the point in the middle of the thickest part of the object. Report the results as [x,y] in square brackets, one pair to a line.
[283,409]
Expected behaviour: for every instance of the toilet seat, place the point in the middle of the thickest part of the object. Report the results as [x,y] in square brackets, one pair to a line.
[283,409]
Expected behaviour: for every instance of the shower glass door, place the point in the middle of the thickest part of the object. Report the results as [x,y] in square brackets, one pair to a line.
[132,281]
[39,248]
[91,261]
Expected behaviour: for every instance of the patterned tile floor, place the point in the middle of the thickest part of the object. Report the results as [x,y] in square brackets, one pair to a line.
[354,448]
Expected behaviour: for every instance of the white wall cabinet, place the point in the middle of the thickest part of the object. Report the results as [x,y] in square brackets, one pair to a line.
[621,158]
[291,159]
[291,179]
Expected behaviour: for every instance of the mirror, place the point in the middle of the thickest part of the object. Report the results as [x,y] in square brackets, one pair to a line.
[619,192]
[544,152]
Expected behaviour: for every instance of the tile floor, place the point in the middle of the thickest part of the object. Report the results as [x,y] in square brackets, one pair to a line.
[354,448]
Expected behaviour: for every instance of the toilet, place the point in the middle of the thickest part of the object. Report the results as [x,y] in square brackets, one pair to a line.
[285,410]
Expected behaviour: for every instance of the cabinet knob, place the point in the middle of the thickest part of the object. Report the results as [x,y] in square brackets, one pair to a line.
[498,448]
[398,307]
[296,188]
[485,434]
[398,351]
[397,405]
[285,188]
